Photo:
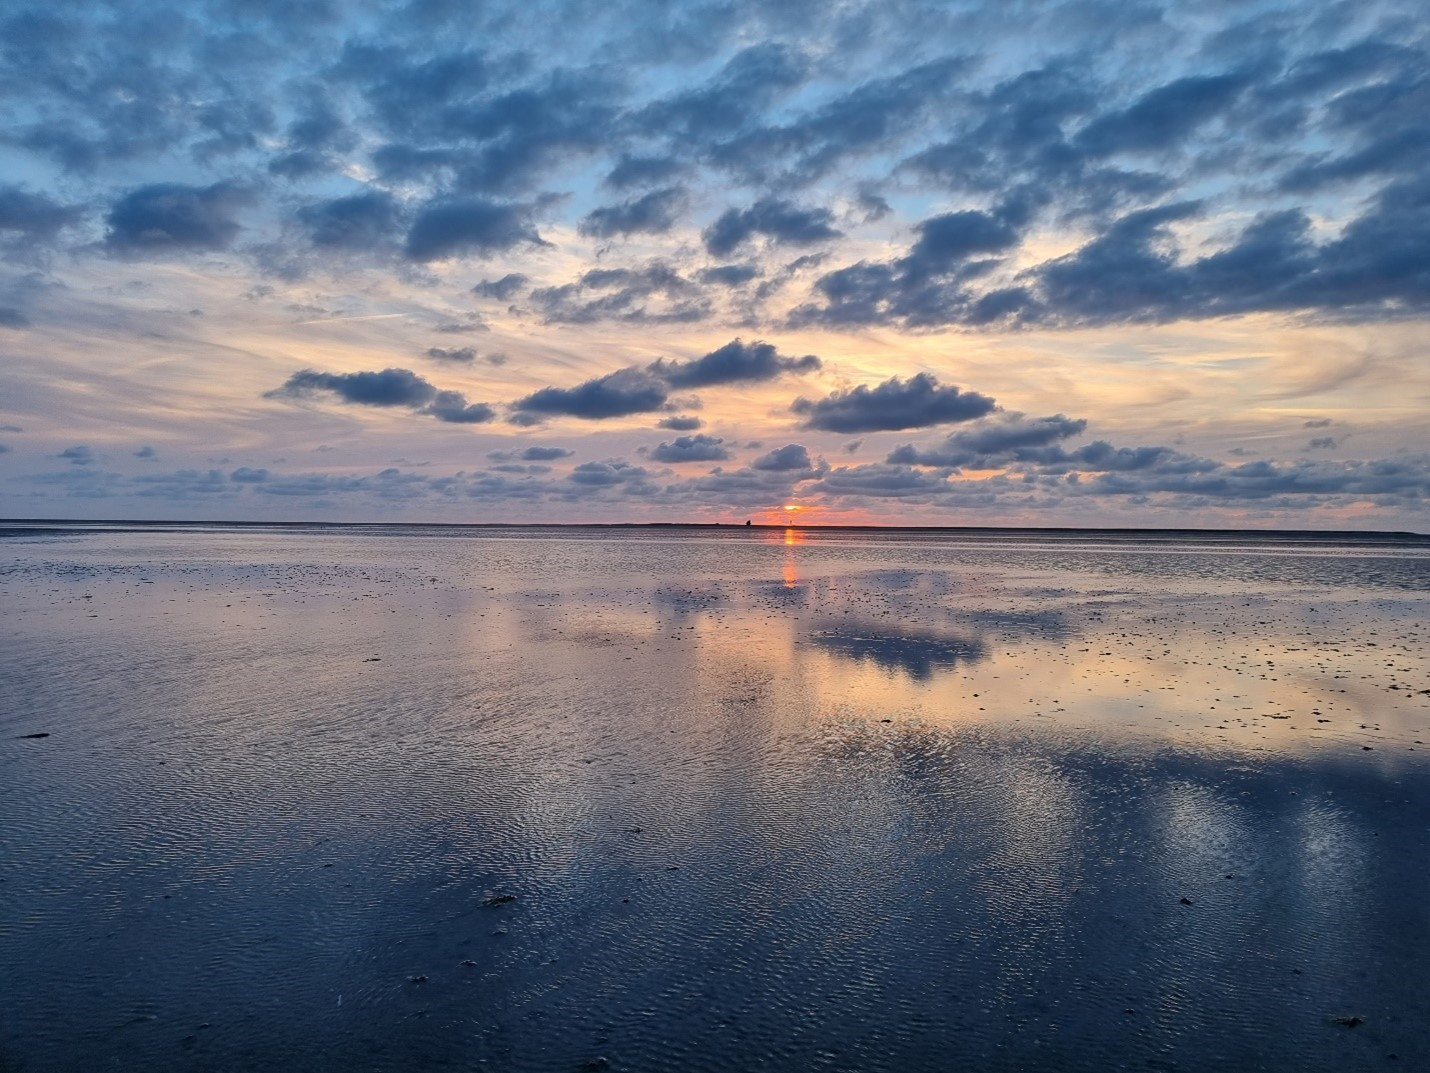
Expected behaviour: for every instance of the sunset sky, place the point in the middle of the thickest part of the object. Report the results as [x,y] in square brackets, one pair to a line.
[1018,263]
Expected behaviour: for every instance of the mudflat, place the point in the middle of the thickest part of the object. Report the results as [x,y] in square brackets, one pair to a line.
[389,798]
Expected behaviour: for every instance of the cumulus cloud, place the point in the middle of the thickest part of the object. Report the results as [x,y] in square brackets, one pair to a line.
[734,362]
[389,387]
[786,459]
[652,213]
[992,441]
[462,226]
[778,220]
[618,394]
[503,289]
[358,222]
[34,217]
[895,404]
[78,455]
[169,218]
[545,454]
[652,293]
[697,448]
[679,423]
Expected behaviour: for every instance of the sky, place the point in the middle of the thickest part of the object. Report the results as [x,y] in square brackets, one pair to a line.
[1039,264]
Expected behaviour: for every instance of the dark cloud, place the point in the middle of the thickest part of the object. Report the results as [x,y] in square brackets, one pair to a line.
[679,423]
[247,475]
[79,455]
[992,441]
[10,317]
[735,362]
[359,222]
[1162,116]
[390,387]
[791,457]
[1320,422]
[652,213]
[453,355]
[863,120]
[655,293]
[779,221]
[729,275]
[607,474]
[545,454]
[145,452]
[166,218]
[469,226]
[34,216]
[1321,443]
[452,407]
[697,448]
[618,394]
[749,82]
[925,287]
[895,404]
[504,289]
[945,241]
[636,171]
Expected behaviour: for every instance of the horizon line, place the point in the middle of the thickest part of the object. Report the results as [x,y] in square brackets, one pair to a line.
[149,522]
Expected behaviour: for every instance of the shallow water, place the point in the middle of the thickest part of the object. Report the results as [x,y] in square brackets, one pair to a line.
[553,799]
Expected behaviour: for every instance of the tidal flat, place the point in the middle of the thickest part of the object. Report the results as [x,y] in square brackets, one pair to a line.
[398,798]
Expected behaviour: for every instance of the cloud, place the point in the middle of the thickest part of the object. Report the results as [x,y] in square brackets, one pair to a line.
[654,293]
[633,171]
[606,474]
[1162,116]
[452,407]
[453,355]
[359,222]
[697,448]
[34,217]
[390,387]
[729,275]
[477,226]
[652,213]
[12,318]
[780,221]
[735,362]
[79,455]
[786,459]
[503,289]
[895,404]
[748,82]
[992,441]
[618,394]
[947,240]
[168,218]
[145,452]
[246,475]
[679,423]
[545,454]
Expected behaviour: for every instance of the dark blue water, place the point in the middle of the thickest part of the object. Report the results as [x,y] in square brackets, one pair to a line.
[394,799]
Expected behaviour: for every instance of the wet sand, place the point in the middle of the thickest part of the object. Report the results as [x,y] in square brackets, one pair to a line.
[553,799]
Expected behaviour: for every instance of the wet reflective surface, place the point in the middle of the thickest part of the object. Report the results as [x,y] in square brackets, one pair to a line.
[394,799]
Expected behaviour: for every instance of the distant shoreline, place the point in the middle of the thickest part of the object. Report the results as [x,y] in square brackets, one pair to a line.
[35,525]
